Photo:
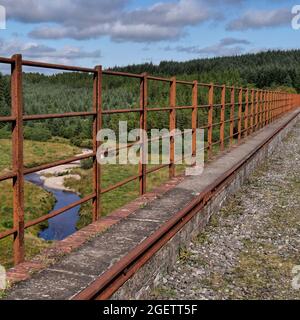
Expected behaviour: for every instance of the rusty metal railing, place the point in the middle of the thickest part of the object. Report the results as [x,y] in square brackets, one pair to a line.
[249,110]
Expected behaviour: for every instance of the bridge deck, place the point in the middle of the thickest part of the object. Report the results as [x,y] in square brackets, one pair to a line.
[250,249]
[74,272]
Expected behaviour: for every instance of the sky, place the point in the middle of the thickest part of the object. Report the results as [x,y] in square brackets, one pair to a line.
[122,32]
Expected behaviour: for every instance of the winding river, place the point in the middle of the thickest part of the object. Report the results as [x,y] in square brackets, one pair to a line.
[63,225]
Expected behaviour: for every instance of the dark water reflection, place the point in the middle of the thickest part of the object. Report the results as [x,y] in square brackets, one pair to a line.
[63,225]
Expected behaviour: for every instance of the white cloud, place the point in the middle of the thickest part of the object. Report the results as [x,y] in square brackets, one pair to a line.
[86,19]
[36,51]
[257,19]
[225,47]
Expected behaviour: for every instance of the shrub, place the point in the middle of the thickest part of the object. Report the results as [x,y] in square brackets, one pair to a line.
[37,133]
[86,164]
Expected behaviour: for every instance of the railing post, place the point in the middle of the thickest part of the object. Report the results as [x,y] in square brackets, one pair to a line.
[267,108]
[273,105]
[240,114]
[210,119]
[143,127]
[97,125]
[263,108]
[256,109]
[172,125]
[260,108]
[232,112]
[246,114]
[252,111]
[277,105]
[222,120]
[194,117]
[17,155]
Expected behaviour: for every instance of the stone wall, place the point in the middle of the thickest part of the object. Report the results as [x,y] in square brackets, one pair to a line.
[141,284]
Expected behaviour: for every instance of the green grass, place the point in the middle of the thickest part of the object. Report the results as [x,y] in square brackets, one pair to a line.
[112,174]
[38,202]
[36,153]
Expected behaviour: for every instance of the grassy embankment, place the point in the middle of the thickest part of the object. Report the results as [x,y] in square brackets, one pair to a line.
[37,201]
[112,174]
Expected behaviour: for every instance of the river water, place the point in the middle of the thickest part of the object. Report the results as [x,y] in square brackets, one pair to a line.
[63,225]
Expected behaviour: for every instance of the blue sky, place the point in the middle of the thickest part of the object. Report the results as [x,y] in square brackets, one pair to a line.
[121,32]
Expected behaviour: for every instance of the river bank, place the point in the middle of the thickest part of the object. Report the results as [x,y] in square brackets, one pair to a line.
[53,180]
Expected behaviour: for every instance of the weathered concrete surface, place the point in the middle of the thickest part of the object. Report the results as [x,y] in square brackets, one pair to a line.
[249,250]
[69,276]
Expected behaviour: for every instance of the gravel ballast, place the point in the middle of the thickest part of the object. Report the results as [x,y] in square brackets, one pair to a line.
[250,249]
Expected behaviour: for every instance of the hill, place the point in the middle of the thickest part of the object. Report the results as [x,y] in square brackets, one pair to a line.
[67,92]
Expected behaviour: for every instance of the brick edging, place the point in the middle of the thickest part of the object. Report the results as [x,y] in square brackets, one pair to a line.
[48,256]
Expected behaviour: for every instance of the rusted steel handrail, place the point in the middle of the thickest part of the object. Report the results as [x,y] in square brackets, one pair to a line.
[7,176]
[31,117]
[59,211]
[37,64]
[249,109]
[110,281]
[7,119]
[58,163]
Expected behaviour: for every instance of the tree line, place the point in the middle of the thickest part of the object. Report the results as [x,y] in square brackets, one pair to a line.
[73,92]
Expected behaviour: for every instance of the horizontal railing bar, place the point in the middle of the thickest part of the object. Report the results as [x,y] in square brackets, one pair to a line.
[156,168]
[227,138]
[203,106]
[204,127]
[183,107]
[59,211]
[7,233]
[166,136]
[185,82]
[159,79]
[215,143]
[122,74]
[58,115]
[218,86]
[7,119]
[7,176]
[6,60]
[58,163]
[120,184]
[128,145]
[202,84]
[216,124]
[56,66]
[121,111]
[159,109]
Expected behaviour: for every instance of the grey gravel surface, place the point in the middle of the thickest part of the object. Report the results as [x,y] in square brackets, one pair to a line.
[248,250]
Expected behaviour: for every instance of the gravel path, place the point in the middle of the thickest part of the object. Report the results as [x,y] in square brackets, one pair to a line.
[249,250]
